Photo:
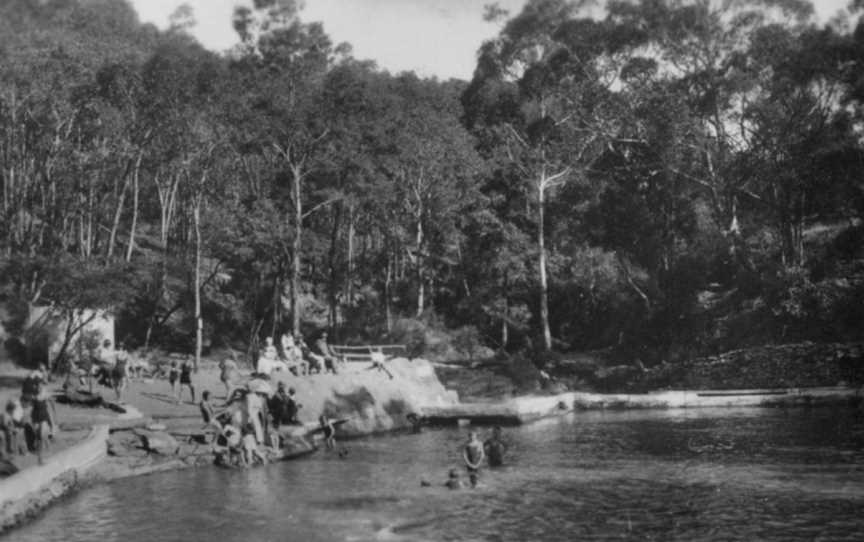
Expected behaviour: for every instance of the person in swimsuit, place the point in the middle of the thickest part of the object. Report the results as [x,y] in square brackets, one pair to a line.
[120,372]
[473,455]
[494,448]
[329,432]
[251,452]
[42,418]
[227,375]
[186,380]
[12,427]
[173,376]
[208,413]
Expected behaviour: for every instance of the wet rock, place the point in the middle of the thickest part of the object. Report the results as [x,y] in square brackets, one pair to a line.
[158,442]
[81,398]
[7,468]
[125,444]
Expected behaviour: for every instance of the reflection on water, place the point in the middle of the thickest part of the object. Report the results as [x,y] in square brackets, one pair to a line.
[743,474]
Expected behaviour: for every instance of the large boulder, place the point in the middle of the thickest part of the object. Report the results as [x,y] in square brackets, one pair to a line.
[158,442]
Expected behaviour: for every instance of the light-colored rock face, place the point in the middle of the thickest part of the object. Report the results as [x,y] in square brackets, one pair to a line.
[366,395]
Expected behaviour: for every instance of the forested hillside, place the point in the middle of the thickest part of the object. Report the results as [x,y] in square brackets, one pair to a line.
[671,180]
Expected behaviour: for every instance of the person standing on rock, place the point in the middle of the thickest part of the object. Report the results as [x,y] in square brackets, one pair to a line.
[228,374]
[186,380]
[473,456]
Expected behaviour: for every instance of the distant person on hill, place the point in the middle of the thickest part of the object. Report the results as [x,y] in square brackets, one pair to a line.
[494,448]
[186,380]
[473,455]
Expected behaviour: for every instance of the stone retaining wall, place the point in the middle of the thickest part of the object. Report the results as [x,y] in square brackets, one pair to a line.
[25,493]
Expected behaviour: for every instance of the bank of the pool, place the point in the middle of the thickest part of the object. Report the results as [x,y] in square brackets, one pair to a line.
[519,410]
[24,494]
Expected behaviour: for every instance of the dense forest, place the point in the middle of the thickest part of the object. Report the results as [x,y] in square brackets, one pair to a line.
[669,179]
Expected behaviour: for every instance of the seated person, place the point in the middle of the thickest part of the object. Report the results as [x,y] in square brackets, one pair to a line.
[283,406]
[315,363]
[12,428]
[208,413]
[291,355]
[322,349]
[268,361]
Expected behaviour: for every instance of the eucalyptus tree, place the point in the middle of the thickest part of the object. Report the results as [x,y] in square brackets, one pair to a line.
[281,65]
[544,101]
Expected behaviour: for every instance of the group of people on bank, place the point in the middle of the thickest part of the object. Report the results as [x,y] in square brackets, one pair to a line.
[296,356]
[28,424]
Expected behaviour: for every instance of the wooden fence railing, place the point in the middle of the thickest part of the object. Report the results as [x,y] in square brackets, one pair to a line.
[364,353]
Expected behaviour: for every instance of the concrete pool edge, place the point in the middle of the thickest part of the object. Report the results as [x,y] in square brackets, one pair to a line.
[26,493]
[525,409]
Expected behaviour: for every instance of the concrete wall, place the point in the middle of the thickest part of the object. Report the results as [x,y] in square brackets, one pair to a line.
[26,492]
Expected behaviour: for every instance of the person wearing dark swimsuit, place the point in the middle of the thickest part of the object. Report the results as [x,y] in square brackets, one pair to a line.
[473,456]
[329,432]
[42,419]
[186,380]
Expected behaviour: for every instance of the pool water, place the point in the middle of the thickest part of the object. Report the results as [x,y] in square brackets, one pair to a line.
[742,474]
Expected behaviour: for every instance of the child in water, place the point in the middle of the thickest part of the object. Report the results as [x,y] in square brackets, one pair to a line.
[454,482]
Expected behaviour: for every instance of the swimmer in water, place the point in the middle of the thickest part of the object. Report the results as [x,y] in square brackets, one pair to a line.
[495,448]
[473,455]
[453,481]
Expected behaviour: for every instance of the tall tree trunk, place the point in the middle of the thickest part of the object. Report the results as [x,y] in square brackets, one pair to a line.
[296,247]
[277,297]
[199,324]
[388,279]
[349,275]
[505,331]
[334,286]
[135,189]
[544,294]
[421,283]
[118,212]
